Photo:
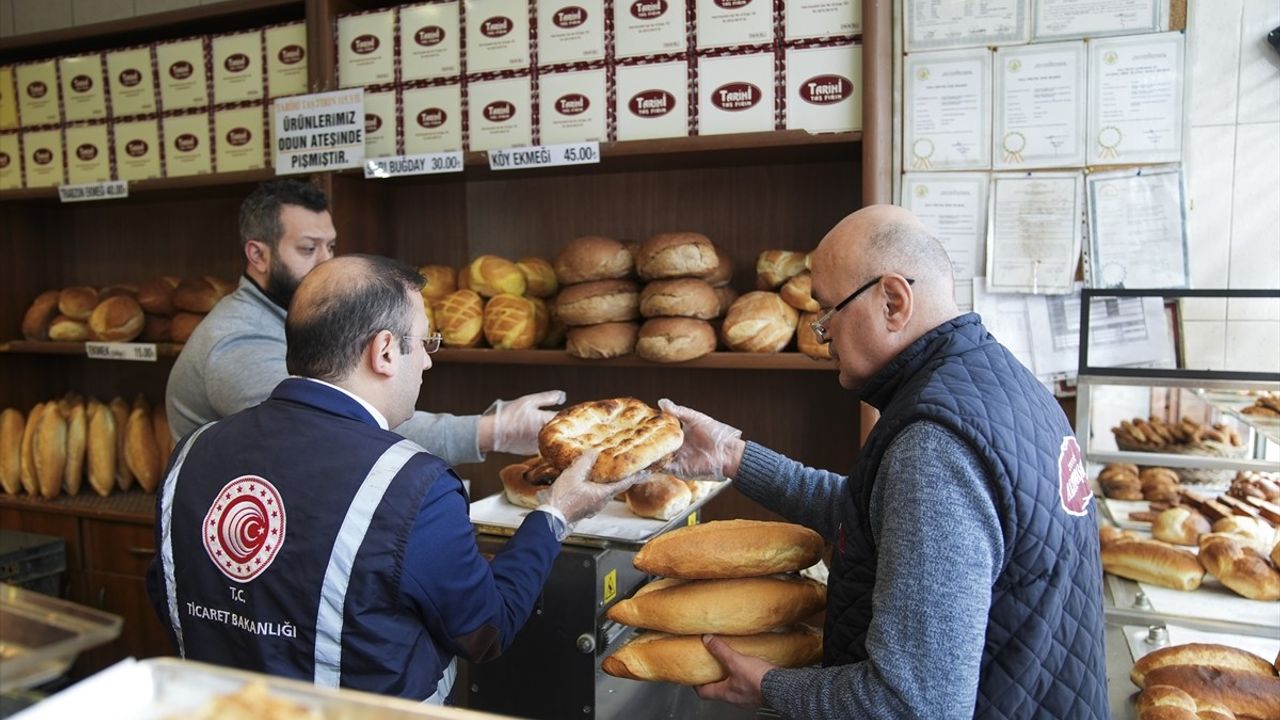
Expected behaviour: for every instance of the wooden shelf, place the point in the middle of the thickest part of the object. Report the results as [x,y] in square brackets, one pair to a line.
[130,506]
[178,184]
[164,350]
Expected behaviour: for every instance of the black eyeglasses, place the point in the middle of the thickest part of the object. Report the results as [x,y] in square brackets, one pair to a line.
[820,325]
[430,343]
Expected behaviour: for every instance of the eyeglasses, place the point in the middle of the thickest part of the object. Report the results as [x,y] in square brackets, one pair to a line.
[820,325]
[430,343]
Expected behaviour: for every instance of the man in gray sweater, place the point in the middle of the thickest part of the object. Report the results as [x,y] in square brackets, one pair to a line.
[966,578]
[236,356]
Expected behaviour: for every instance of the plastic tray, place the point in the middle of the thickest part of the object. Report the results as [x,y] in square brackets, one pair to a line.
[40,636]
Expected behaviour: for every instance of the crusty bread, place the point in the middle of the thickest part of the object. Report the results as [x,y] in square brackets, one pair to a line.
[598,302]
[519,487]
[684,660]
[1252,531]
[723,274]
[156,295]
[539,277]
[1247,694]
[27,460]
[77,302]
[726,296]
[35,322]
[198,294]
[591,258]
[759,322]
[491,275]
[1241,567]
[1108,534]
[775,267]
[807,339]
[661,497]
[1164,696]
[49,451]
[606,340]
[1275,558]
[675,339]
[102,448]
[1223,656]
[117,319]
[676,254]
[140,449]
[460,318]
[1179,525]
[680,297]
[630,436]
[734,606]
[77,438]
[119,410]
[440,281]
[541,320]
[510,322]
[1154,562]
[156,329]
[64,329]
[798,293]
[730,549]
[11,430]
[183,324]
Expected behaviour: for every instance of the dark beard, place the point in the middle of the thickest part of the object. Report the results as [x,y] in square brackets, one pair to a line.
[281,284]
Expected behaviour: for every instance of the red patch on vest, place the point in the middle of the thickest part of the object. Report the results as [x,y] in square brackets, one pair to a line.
[1074,492]
[244,528]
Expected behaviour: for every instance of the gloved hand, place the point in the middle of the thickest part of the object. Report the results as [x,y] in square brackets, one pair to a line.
[575,497]
[516,422]
[708,448]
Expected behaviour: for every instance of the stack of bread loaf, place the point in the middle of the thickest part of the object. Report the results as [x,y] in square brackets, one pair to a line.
[682,271]
[764,321]
[599,301]
[1202,681]
[62,442]
[727,578]
[491,299]
[162,309]
[1124,481]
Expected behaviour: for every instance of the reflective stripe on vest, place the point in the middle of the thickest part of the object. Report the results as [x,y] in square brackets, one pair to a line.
[166,535]
[333,593]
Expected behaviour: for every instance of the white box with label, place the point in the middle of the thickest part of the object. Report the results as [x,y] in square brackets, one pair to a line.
[366,49]
[10,162]
[379,124]
[237,67]
[239,135]
[83,94]
[37,95]
[653,100]
[42,154]
[497,35]
[648,27]
[573,106]
[500,113]
[137,149]
[570,31]
[724,23]
[432,119]
[824,88]
[133,92]
[187,151]
[286,59]
[430,41]
[736,94]
[182,75]
[88,153]
[805,19]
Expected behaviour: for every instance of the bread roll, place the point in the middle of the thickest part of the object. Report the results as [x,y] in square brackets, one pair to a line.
[198,294]
[118,289]
[510,322]
[163,436]
[661,497]
[1240,567]
[1254,532]
[675,339]
[541,320]
[156,329]
[49,451]
[591,258]
[730,549]
[759,322]
[1179,525]
[11,431]
[539,277]
[119,410]
[775,267]
[156,295]
[676,254]
[184,323]
[1165,696]
[518,487]
[1112,469]
[684,660]
[77,302]
[117,319]
[726,296]
[1154,562]
[1223,656]
[734,606]
[140,451]
[77,438]
[723,273]
[440,281]
[556,329]
[598,302]
[460,318]
[807,340]
[1245,693]
[35,322]
[1122,487]
[490,275]
[798,293]
[606,340]
[682,297]
[102,448]
[64,329]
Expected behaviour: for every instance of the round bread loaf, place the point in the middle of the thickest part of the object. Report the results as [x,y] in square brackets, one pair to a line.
[629,435]
[670,339]
[661,497]
[539,277]
[156,329]
[541,320]
[156,295]
[35,322]
[440,280]
[12,426]
[676,254]
[183,324]
[807,340]
[519,486]
[598,302]
[759,322]
[726,296]
[684,660]
[798,293]
[117,319]
[460,318]
[599,342]
[77,302]
[64,329]
[730,549]
[199,294]
[682,297]
[510,322]
[1240,567]
[775,267]
[1179,525]
[591,258]
[491,275]
[118,289]
[723,273]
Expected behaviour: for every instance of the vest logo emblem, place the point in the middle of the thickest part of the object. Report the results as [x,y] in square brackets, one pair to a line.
[244,528]
[1073,482]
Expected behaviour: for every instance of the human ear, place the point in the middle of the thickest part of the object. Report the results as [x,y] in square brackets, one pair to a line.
[258,255]
[898,302]
[381,352]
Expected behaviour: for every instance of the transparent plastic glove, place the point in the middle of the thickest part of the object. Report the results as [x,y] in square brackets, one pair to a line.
[706,449]
[516,422]
[575,497]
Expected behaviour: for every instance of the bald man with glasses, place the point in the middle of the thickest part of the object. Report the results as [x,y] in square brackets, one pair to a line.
[966,579]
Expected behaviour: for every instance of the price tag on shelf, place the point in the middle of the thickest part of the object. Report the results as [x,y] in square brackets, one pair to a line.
[143,352]
[579,153]
[429,164]
[109,190]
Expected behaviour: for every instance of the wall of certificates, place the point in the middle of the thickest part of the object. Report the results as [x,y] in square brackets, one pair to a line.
[1038,132]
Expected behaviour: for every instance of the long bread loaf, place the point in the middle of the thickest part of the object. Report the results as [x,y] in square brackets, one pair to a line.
[730,549]
[743,606]
[684,660]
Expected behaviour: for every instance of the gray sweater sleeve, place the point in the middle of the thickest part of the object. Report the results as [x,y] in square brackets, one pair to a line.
[940,549]
[801,494]
[452,438]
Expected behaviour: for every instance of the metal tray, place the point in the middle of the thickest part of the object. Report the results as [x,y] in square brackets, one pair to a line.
[40,636]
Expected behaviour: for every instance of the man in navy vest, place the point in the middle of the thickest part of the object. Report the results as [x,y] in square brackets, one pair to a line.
[303,538]
[966,577]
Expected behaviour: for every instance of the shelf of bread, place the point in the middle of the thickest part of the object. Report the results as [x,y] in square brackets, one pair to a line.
[711,361]
[1259,410]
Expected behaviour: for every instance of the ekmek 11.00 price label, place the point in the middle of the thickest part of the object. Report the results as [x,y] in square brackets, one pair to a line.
[142,352]
[579,153]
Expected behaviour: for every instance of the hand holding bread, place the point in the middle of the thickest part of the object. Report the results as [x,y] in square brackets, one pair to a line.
[516,422]
[710,447]
[576,497]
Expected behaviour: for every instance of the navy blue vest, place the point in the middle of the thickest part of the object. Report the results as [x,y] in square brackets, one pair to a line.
[1043,655]
[324,604]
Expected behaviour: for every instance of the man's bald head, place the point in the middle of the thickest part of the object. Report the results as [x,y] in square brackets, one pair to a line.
[881,239]
[340,306]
